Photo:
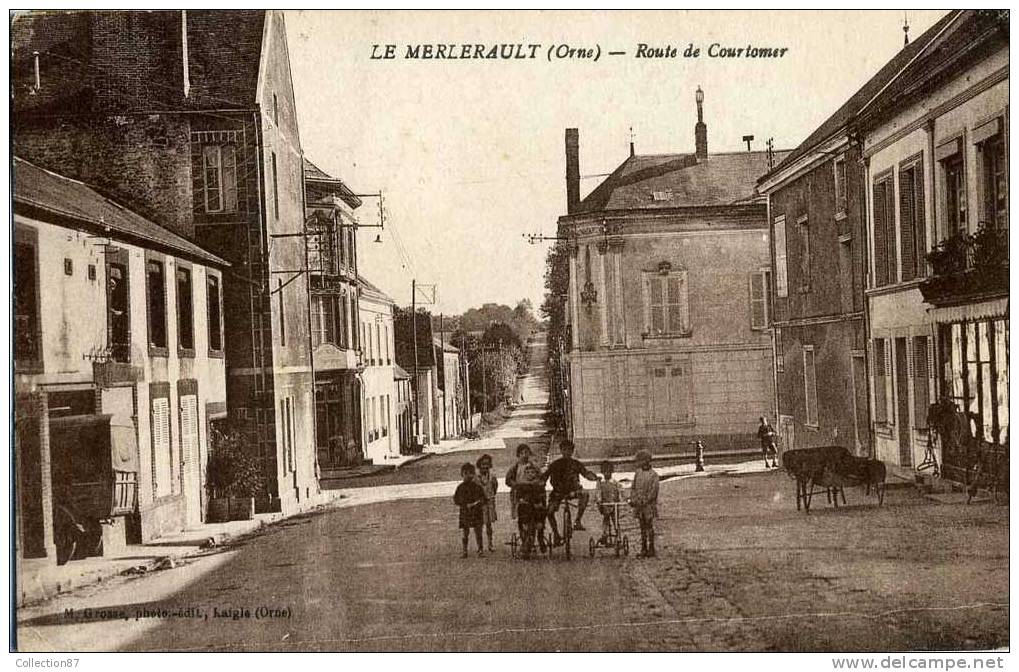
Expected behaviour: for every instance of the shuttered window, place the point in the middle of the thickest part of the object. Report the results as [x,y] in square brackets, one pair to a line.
[803,227]
[759,295]
[810,385]
[880,381]
[668,305]
[781,272]
[907,222]
[161,470]
[921,380]
[885,270]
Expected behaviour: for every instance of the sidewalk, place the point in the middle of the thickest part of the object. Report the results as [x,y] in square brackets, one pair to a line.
[41,579]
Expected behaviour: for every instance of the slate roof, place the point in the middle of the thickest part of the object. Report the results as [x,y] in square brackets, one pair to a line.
[446,346]
[720,179]
[64,197]
[844,114]
[113,61]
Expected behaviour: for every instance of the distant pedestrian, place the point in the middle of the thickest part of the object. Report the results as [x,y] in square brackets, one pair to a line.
[644,500]
[489,483]
[470,497]
[767,434]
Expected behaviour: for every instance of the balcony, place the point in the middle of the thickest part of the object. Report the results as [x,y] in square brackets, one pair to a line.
[968,267]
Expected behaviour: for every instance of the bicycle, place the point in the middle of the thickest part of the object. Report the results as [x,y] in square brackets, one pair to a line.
[566,531]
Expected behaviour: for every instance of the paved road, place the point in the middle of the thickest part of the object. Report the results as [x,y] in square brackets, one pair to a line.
[739,569]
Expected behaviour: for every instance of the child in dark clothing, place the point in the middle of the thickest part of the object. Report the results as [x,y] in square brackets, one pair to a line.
[470,497]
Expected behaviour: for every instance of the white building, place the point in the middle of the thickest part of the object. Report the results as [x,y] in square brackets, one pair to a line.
[379,399]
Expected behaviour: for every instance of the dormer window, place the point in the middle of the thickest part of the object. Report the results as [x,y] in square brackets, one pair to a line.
[658,196]
[219,170]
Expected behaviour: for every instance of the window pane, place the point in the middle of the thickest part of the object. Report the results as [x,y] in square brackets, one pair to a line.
[26,314]
[185,310]
[229,176]
[157,305]
[215,326]
[657,320]
[213,182]
[657,290]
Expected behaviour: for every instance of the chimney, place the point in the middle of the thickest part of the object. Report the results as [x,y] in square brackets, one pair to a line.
[700,131]
[184,51]
[572,170]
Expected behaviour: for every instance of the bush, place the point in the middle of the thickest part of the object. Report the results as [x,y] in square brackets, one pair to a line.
[232,470]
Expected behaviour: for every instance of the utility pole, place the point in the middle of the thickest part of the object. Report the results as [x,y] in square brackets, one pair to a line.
[414,378]
[445,378]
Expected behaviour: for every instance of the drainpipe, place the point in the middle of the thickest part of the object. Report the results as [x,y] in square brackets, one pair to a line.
[865,225]
[771,309]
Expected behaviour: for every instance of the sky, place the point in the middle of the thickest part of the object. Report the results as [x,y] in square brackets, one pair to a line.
[469,153]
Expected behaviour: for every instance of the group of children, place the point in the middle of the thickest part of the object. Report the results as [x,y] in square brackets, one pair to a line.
[532,507]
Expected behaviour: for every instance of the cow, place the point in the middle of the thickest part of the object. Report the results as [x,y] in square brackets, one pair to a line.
[808,466]
[852,470]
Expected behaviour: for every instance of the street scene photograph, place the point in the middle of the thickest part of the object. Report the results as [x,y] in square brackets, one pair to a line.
[510,331]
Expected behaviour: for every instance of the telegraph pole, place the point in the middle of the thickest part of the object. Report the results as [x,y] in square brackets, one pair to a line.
[414,378]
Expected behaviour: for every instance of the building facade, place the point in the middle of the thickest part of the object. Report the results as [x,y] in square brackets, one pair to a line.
[336,337]
[450,390]
[150,109]
[935,149]
[669,336]
[379,398]
[417,358]
[118,337]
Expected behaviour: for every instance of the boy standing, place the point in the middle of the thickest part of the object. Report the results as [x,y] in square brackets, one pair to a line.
[471,499]
[644,500]
[489,484]
[766,433]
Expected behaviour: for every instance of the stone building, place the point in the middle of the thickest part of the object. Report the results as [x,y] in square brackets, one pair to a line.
[667,307]
[450,389]
[378,376]
[188,118]
[935,150]
[118,337]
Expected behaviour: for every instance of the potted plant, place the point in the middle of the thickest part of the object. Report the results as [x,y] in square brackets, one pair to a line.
[234,476]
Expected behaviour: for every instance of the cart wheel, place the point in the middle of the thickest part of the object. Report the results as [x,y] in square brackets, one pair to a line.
[626,546]
[590,546]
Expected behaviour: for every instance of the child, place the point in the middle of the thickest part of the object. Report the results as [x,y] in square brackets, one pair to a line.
[489,484]
[608,493]
[644,500]
[470,497]
[530,488]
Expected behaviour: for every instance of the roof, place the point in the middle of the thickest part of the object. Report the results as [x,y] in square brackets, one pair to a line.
[319,178]
[64,197]
[446,347]
[858,100]
[364,284]
[680,180]
[399,373]
[110,60]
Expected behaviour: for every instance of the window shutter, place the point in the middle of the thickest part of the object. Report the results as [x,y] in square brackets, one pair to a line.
[757,301]
[921,392]
[880,236]
[921,221]
[160,447]
[810,387]
[893,271]
[781,272]
[676,290]
[880,372]
[907,223]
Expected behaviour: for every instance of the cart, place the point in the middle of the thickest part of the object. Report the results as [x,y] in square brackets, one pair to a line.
[615,539]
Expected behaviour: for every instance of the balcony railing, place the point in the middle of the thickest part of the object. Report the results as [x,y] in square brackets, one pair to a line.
[968,265]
